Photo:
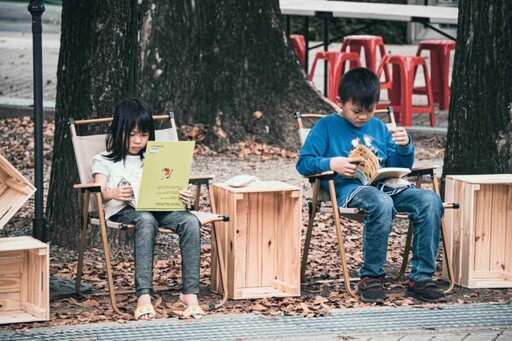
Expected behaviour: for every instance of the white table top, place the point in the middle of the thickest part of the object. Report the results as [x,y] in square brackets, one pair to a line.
[365,10]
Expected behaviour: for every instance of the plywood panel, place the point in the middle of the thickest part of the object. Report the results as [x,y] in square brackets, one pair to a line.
[481,232]
[264,255]
[482,228]
[24,280]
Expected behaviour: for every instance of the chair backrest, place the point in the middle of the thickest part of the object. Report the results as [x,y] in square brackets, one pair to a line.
[387,114]
[86,147]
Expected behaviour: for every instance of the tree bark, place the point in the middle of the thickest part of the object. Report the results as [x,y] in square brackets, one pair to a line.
[227,65]
[479,139]
[97,68]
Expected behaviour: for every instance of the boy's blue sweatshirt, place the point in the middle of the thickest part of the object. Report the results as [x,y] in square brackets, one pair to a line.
[334,136]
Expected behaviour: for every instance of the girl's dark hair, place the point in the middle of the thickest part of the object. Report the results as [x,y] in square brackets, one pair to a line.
[130,113]
[361,86]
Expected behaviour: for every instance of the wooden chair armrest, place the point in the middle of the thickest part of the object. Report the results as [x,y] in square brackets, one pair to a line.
[454,205]
[200,179]
[91,187]
[423,170]
[319,175]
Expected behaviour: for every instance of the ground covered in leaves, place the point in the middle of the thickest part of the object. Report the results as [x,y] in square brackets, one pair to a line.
[322,293]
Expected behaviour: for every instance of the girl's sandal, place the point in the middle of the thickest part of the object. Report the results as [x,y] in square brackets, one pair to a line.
[194,311]
[145,309]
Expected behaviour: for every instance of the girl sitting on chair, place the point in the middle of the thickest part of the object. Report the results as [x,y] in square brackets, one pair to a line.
[116,170]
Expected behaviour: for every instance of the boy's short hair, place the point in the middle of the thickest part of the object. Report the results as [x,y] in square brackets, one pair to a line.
[361,86]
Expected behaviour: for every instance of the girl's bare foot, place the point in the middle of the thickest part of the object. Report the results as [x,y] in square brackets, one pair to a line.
[145,310]
[189,299]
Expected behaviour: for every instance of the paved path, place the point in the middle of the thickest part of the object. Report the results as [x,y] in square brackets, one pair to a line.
[442,322]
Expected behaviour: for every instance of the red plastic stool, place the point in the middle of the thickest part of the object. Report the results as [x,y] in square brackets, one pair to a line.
[299,47]
[403,70]
[439,69]
[371,45]
[335,68]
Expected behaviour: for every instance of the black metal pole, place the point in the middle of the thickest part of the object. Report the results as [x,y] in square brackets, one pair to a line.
[39,227]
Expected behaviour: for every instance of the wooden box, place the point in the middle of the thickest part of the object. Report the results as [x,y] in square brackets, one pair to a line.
[15,190]
[24,282]
[479,234]
[261,242]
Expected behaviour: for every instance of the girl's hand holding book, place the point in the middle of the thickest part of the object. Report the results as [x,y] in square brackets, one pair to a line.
[122,193]
[186,196]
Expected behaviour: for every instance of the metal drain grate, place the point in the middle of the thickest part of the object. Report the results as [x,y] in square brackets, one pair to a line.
[252,327]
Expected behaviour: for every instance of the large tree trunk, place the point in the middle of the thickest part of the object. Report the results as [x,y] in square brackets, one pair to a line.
[225,64]
[479,137]
[97,67]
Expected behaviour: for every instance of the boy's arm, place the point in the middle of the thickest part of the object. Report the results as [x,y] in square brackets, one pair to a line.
[311,158]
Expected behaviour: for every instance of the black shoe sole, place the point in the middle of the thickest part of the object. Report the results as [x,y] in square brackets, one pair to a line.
[421,298]
[372,300]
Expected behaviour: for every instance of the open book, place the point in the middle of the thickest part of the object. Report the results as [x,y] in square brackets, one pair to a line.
[368,170]
[166,172]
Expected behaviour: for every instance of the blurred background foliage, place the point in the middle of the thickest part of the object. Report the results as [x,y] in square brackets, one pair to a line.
[393,32]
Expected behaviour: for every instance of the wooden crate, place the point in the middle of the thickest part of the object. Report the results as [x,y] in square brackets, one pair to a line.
[480,232]
[261,242]
[15,190]
[24,281]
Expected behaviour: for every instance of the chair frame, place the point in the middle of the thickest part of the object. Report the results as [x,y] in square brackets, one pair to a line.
[94,189]
[318,205]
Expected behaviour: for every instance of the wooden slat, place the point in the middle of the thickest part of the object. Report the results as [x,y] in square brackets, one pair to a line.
[508,236]
[498,228]
[272,208]
[9,303]
[253,267]
[482,228]
[240,208]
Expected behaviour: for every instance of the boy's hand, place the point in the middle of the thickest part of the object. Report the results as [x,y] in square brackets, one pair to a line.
[344,166]
[122,193]
[400,136]
[186,197]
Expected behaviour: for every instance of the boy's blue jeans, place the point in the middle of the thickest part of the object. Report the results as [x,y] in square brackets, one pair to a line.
[184,224]
[423,207]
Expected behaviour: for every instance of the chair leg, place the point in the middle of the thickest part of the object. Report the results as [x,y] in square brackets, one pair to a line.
[106,251]
[85,223]
[220,261]
[305,253]
[447,256]
[341,245]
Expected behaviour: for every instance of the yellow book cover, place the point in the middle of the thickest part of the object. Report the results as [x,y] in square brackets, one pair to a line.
[368,170]
[166,172]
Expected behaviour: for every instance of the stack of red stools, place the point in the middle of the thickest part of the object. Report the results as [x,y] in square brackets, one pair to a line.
[299,47]
[439,69]
[371,45]
[335,68]
[403,73]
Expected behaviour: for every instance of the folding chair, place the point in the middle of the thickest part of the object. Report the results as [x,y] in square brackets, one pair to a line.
[322,201]
[85,148]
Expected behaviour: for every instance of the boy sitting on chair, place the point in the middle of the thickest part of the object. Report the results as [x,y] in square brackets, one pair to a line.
[327,148]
